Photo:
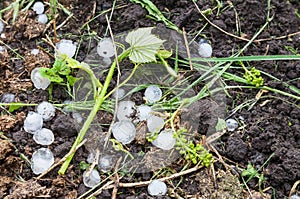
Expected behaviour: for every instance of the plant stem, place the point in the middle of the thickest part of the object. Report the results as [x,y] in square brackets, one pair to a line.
[98,102]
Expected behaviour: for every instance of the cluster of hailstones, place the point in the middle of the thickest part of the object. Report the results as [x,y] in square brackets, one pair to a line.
[39,9]
[124,129]
[42,159]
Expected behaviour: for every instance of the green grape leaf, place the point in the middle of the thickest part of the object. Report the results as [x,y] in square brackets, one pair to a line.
[144,45]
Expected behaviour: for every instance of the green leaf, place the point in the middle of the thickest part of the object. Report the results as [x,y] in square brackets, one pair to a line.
[71,80]
[61,67]
[83,165]
[51,75]
[144,45]
[13,107]
[220,125]
[164,53]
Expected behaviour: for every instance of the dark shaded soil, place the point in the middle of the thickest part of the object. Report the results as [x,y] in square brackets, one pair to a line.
[269,126]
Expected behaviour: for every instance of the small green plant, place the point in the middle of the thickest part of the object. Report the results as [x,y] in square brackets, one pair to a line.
[194,152]
[60,72]
[143,49]
[253,76]
[251,173]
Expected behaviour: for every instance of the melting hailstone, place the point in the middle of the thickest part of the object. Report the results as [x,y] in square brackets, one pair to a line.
[125,110]
[155,123]
[144,112]
[153,93]
[35,51]
[33,122]
[105,163]
[165,140]
[38,7]
[66,47]
[2,49]
[120,93]
[7,98]
[42,18]
[38,80]
[124,131]
[46,110]
[204,49]
[41,160]
[157,188]
[106,48]
[295,197]
[44,136]
[92,179]
[231,124]
[1,26]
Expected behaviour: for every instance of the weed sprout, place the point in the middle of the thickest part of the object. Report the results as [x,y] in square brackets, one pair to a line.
[44,136]
[204,48]
[91,179]
[38,80]
[124,131]
[38,7]
[66,47]
[33,122]
[165,140]
[157,188]
[42,159]
[46,110]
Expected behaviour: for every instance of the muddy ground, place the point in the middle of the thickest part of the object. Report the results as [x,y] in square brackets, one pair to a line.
[268,127]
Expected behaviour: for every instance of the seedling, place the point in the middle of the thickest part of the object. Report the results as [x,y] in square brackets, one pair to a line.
[194,152]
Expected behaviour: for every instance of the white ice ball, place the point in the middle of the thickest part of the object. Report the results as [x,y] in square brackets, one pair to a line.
[33,122]
[38,80]
[157,188]
[66,47]
[205,50]
[38,7]
[124,131]
[106,48]
[46,110]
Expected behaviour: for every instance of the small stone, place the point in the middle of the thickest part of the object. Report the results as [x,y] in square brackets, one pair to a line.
[165,140]
[38,80]
[46,110]
[66,47]
[232,124]
[125,110]
[33,122]
[153,94]
[44,136]
[157,188]
[91,180]
[124,131]
[38,7]
[42,18]
[106,48]
[41,160]
[155,123]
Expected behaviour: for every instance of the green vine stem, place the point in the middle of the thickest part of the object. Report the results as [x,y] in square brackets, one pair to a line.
[100,97]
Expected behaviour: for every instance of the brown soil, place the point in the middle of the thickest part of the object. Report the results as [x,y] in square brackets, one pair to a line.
[269,127]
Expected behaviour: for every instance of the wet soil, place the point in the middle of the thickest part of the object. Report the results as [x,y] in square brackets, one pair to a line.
[268,136]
